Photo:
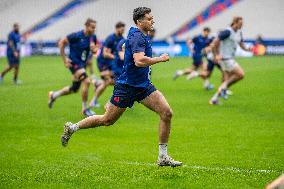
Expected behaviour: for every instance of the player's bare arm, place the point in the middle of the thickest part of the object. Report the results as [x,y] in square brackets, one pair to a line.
[107,53]
[62,43]
[242,45]
[143,61]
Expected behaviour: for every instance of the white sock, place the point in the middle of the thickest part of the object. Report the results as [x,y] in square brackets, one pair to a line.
[163,150]
[215,96]
[74,127]
[84,105]
[56,94]
[192,75]
[206,83]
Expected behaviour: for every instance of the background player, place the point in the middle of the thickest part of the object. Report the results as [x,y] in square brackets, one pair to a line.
[134,85]
[224,49]
[105,60]
[13,53]
[196,45]
[80,43]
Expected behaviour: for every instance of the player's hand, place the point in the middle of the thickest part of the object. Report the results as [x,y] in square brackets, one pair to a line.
[94,48]
[67,62]
[16,54]
[206,50]
[217,58]
[165,57]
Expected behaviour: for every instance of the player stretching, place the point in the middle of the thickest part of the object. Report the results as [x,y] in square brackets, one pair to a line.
[13,53]
[224,48]
[80,43]
[196,45]
[134,85]
[105,60]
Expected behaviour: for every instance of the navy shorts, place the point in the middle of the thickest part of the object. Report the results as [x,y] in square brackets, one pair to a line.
[197,62]
[125,95]
[104,65]
[12,60]
[76,67]
[211,64]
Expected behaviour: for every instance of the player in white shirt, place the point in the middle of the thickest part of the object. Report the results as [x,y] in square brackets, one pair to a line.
[224,48]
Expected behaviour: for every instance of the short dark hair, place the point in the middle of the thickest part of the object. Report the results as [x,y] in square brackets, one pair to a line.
[119,25]
[89,21]
[207,29]
[139,13]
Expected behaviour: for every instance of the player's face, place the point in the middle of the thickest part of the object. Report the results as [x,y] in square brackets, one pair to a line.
[147,23]
[240,24]
[120,30]
[91,28]
[16,28]
[206,33]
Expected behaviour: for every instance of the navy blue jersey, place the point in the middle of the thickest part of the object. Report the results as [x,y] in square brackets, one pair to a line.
[111,43]
[15,38]
[132,75]
[79,45]
[118,63]
[200,43]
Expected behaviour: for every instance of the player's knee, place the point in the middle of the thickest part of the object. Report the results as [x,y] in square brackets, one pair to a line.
[75,86]
[108,122]
[242,75]
[167,114]
[86,82]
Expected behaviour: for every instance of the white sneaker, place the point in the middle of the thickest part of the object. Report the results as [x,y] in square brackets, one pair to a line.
[166,160]
[66,134]
[18,82]
[177,74]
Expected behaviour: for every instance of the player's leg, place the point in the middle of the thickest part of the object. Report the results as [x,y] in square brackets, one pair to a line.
[197,64]
[16,73]
[205,74]
[187,71]
[157,103]
[73,88]
[8,68]
[111,115]
[107,80]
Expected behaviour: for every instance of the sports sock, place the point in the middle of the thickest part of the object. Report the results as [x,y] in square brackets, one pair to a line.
[56,94]
[84,105]
[163,150]
[75,127]
[215,96]
[206,83]
[192,75]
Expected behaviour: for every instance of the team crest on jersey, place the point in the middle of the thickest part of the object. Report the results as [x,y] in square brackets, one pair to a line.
[116,99]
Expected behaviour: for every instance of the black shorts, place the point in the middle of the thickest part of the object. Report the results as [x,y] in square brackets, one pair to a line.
[76,67]
[211,64]
[12,60]
[125,95]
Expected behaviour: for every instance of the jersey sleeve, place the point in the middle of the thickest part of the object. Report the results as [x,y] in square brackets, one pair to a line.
[119,45]
[73,37]
[137,43]
[224,34]
[109,42]
[10,37]
[194,40]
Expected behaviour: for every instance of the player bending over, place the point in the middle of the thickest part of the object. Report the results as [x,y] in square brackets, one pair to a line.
[196,45]
[105,60]
[134,85]
[13,53]
[224,49]
[80,44]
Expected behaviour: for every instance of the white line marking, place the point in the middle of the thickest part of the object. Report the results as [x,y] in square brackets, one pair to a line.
[232,169]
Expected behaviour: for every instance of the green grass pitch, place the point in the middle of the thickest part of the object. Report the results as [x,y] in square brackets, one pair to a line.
[237,145]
